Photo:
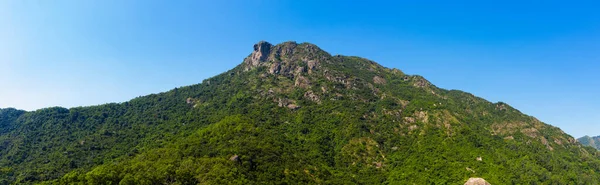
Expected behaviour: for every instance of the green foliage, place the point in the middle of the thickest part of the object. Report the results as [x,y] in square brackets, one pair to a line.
[237,128]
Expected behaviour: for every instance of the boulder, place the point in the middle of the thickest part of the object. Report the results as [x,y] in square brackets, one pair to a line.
[477,181]
[310,95]
[293,106]
[234,158]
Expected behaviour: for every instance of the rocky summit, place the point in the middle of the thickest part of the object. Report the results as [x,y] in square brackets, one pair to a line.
[292,113]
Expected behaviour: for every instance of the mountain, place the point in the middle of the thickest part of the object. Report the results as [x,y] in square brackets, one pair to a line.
[590,141]
[293,114]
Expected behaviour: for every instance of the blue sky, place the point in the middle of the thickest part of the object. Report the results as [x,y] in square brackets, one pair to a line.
[542,57]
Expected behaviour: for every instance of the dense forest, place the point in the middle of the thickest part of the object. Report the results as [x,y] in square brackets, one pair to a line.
[293,114]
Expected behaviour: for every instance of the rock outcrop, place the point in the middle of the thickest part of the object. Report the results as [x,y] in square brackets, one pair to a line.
[379,80]
[477,181]
[234,158]
[260,54]
[288,58]
[420,82]
[310,95]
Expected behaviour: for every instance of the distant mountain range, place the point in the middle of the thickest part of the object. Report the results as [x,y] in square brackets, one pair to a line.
[590,141]
[293,114]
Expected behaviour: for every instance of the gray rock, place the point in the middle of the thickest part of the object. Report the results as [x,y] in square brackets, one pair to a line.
[260,54]
[310,95]
[312,65]
[275,67]
[234,158]
[302,82]
[477,181]
[293,106]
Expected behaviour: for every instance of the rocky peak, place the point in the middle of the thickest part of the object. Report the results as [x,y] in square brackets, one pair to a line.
[287,58]
[285,49]
[260,54]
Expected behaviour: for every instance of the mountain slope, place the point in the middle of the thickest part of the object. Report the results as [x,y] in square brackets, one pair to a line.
[590,141]
[293,114]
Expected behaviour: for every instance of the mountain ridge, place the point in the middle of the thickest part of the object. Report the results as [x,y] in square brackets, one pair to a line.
[593,142]
[293,113]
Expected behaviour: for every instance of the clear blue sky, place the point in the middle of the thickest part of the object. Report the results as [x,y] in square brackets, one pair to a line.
[542,57]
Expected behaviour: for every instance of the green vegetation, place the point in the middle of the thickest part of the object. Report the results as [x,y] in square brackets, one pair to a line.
[292,114]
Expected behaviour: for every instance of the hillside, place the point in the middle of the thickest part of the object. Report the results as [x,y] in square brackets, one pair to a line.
[293,114]
[590,141]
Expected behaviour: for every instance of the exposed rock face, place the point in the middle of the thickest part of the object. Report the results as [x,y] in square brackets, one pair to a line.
[312,96]
[234,158]
[260,54]
[500,106]
[275,68]
[289,58]
[420,82]
[572,140]
[312,65]
[379,80]
[531,132]
[284,102]
[302,82]
[477,181]
[285,50]
[293,106]
[422,116]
